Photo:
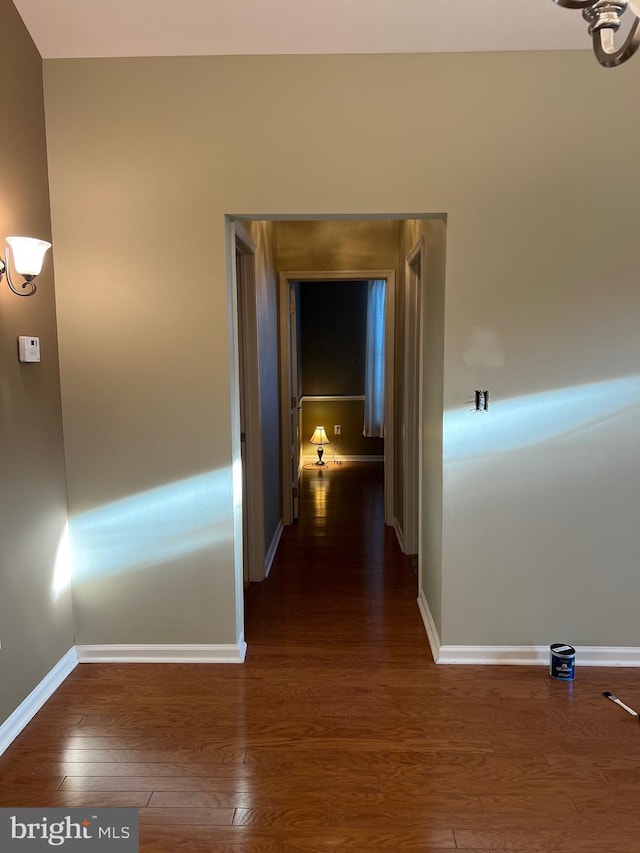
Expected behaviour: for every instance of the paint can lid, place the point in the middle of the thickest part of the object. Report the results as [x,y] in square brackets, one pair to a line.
[562,649]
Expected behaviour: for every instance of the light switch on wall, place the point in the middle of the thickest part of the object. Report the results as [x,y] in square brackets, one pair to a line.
[337,429]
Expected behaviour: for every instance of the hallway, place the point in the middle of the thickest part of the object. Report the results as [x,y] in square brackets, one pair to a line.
[339,731]
[340,588]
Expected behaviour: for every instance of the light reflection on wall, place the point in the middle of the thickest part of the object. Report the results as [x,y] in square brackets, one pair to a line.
[152,527]
[521,422]
[62,566]
[237,484]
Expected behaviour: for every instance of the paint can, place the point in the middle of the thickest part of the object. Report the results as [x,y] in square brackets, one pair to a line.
[562,662]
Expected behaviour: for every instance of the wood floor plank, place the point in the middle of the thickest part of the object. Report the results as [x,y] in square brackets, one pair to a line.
[535,803]
[34,798]
[613,806]
[81,756]
[187,816]
[601,761]
[201,800]
[287,818]
[292,787]
[629,776]
[247,839]
[339,731]
[97,769]
[568,839]
[399,814]
[573,747]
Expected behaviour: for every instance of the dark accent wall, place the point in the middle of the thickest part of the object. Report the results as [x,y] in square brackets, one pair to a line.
[350,415]
[333,320]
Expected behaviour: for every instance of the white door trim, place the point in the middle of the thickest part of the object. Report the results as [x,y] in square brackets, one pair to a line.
[412,403]
[286,396]
[254,509]
[286,278]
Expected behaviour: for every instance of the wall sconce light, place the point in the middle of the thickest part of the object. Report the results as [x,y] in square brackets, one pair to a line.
[28,256]
[604,19]
[319,437]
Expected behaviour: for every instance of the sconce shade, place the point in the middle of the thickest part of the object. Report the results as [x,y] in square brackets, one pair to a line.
[319,436]
[28,254]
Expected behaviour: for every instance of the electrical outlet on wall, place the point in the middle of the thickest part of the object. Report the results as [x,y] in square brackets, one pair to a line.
[481,401]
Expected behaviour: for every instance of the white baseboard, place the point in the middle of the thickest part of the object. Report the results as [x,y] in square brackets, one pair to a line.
[429,626]
[606,656]
[364,458]
[231,653]
[271,553]
[242,648]
[341,457]
[27,709]
[400,537]
[480,655]
[538,655]
[519,655]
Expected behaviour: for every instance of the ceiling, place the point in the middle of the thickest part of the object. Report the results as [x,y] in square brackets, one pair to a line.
[88,28]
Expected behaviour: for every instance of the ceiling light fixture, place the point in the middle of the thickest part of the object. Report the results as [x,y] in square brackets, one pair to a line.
[28,256]
[604,19]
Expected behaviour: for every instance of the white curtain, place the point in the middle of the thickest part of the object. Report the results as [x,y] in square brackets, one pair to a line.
[374,365]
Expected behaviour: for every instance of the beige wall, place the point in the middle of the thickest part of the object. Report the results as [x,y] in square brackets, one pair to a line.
[337,245]
[35,603]
[539,537]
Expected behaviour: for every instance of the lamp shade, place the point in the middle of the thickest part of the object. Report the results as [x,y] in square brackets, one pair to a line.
[319,436]
[28,254]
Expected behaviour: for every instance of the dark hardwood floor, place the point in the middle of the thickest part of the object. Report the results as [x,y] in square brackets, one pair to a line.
[339,731]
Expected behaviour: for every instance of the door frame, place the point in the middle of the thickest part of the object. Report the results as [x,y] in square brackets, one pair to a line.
[288,368]
[412,402]
[286,278]
[248,385]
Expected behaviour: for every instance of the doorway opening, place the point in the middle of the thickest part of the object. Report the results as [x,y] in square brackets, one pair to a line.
[290,252]
[290,388]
